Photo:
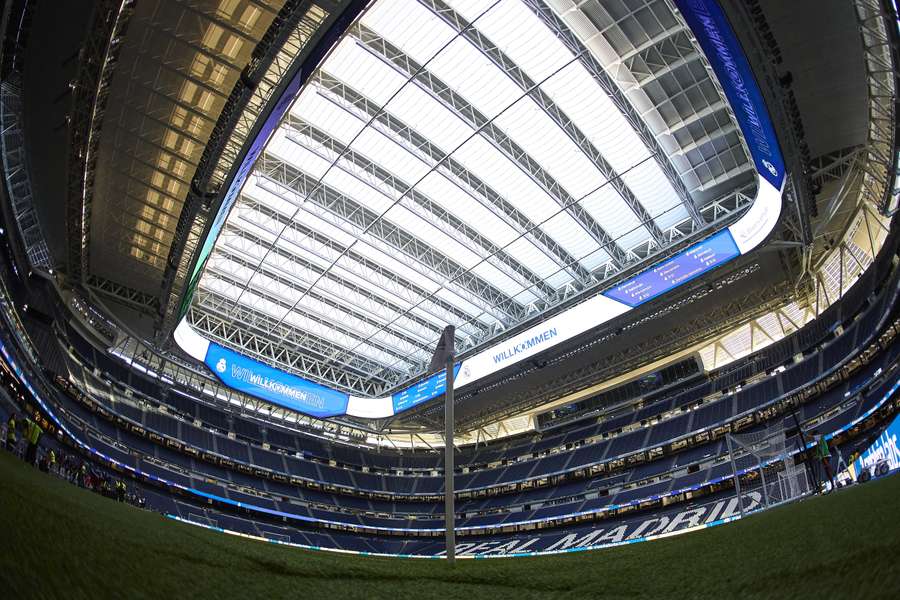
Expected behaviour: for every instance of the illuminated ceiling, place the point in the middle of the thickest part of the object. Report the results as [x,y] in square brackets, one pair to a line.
[472,163]
[174,72]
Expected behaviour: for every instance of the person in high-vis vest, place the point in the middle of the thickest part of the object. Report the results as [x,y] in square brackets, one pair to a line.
[824,454]
[10,440]
[33,435]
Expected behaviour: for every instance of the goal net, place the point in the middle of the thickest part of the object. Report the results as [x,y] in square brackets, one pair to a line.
[769,474]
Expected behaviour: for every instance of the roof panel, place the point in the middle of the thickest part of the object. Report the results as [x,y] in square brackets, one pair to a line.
[481,158]
[315,108]
[521,35]
[607,206]
[454,199]
[349,62]
[592,111]
[546,143]
[475,78]
[528,254]
[410,26]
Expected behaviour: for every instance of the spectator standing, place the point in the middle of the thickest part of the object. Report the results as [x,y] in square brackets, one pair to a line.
[10,439]
[824,454]
[33,435]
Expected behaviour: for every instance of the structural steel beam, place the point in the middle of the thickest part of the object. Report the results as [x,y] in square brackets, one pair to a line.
[443,93]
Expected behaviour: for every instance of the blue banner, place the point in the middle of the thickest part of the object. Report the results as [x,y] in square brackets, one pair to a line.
[425,390]
[688,264]
[273,385]
[885,448]
[726,56]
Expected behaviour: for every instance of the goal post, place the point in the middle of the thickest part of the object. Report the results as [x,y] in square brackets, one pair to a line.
[765,458]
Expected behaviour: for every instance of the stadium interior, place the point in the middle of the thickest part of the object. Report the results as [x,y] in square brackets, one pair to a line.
[650,246]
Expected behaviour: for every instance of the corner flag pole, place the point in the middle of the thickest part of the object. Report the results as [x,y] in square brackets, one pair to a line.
[443,359]
[449,500]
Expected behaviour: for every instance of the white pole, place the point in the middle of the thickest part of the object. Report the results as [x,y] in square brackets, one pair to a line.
[737,480]
[449,508]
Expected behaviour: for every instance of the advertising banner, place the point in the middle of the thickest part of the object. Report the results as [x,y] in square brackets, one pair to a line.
[883,449]
[726,56]
[427,389]
[274,385]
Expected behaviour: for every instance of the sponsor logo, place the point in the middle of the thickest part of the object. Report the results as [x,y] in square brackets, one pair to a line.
[885,448]
[707,23]
[221,366]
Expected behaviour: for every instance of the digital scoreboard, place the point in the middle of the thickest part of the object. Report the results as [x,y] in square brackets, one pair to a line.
[427,389]
[684,266]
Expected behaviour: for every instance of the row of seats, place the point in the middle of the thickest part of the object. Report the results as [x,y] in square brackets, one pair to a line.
[378,534]
[608,447]
[714,470]
[699,465]
[326,451]
[609,490]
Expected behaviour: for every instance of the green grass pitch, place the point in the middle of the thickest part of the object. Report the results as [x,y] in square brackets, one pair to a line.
[58,541]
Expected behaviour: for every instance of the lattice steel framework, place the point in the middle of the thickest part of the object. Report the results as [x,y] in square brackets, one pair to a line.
[650,55]
[350,247]
[410,69]
[97,61]
[278,56]
[878,26]
[618,96]
[723,318]
[305,353]
[354,102]
[526,83]
[17,174]
[141,301]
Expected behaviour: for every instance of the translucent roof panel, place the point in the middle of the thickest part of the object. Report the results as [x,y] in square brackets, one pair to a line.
[463,162]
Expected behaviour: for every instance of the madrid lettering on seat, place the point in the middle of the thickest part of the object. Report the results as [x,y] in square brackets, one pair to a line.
[624,533]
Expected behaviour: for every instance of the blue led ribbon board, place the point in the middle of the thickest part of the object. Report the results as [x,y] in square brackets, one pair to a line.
[425,390]
[686,265]
[273,385]
[726,56]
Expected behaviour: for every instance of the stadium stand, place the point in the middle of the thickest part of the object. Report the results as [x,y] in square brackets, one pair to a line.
[241,319]
[599,468]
